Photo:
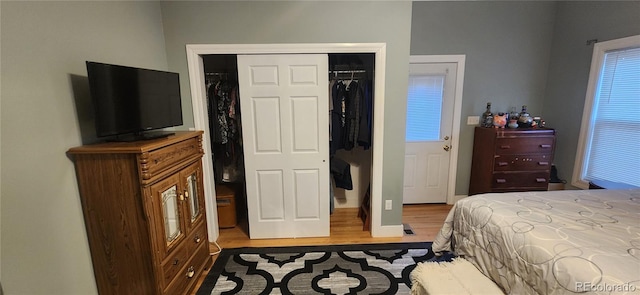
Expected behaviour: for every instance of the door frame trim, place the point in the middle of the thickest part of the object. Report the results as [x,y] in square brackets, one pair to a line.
[459,60]
[200,117]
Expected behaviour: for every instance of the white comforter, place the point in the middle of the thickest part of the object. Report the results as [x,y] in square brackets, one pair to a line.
[558,242]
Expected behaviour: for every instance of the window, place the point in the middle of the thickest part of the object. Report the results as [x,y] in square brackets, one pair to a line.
[609,145]
[424,107]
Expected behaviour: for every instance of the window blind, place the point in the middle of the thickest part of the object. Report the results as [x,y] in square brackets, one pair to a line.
[424,108]
[614,149]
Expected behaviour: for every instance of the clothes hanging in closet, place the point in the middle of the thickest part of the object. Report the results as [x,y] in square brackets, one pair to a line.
[351,111]
[341,171]
[223,106]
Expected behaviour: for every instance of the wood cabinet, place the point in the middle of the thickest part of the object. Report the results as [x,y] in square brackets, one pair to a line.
[507,160]
[143,205]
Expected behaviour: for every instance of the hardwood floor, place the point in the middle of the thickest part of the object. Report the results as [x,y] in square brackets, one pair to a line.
[346,228]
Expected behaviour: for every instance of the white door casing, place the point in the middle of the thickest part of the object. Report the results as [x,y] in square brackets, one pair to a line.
[200,117]
[427,155]
[431,165]
[284,104]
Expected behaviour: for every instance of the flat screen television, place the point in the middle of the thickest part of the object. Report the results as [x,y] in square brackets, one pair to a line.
[129,102]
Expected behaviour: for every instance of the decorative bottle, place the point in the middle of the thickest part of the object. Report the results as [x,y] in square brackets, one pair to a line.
[487,117]
[513,118]
[513,114]
[524,119]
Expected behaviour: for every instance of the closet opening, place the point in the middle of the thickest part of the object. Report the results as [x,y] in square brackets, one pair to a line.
[351,92]
[225,133]
[195,60]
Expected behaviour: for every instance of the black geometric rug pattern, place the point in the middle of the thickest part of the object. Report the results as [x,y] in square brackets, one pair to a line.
[339,269]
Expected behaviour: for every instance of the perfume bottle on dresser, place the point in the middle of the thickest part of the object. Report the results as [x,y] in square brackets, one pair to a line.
[524,119]
[513,118]
[487,117]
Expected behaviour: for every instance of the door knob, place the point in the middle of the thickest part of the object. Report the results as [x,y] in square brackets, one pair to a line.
[446,138]
[446,148]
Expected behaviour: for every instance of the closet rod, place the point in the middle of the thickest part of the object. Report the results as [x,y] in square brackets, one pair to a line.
[347,72]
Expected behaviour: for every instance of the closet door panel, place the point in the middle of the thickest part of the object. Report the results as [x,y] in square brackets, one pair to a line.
[264,75]
[304,112]
[284,101]
[306,181]
[271,195]
[266,114]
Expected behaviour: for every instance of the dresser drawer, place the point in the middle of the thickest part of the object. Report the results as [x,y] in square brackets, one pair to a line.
[524,145]
[156,161]
[197,238]
[174,263]
[522,162]
[520,180]
[189,274]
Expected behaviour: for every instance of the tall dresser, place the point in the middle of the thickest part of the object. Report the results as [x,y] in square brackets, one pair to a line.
[144,213]
[507,160]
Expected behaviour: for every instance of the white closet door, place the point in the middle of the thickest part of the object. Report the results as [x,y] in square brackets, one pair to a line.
[284,104]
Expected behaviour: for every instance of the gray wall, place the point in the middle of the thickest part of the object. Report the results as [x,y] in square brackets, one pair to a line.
[44,49]
[242,22]
[578,22]
[507,48]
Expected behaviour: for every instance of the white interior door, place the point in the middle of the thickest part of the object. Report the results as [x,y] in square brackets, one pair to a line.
[430,111]
[284,105]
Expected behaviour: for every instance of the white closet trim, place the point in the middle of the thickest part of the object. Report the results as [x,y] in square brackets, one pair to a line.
[198,98]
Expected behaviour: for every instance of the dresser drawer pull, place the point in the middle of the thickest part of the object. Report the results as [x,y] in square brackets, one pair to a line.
[540,180]
[190,272]
[504,147]
[197,239]
[545,146]
[503,163]
[543,163]
[176,261]
[501,180]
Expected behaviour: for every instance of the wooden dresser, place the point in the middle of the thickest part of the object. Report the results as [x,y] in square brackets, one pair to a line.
[507,160]
[144,213]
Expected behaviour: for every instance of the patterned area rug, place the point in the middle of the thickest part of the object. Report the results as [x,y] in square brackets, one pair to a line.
[341,269]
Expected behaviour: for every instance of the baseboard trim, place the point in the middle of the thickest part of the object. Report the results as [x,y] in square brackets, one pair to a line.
[456,198]
[386,231]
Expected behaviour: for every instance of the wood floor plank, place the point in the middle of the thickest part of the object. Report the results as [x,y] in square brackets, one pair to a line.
[346,228]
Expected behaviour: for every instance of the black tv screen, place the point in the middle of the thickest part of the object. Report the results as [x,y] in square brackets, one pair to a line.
[131,100]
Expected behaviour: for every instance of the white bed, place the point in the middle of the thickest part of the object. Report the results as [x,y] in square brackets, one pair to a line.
[557,242]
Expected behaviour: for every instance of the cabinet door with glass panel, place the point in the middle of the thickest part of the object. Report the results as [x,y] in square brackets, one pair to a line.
[168,213]
[193,192]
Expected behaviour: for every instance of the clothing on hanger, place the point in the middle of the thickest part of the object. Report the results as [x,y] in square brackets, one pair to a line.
[223,106]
